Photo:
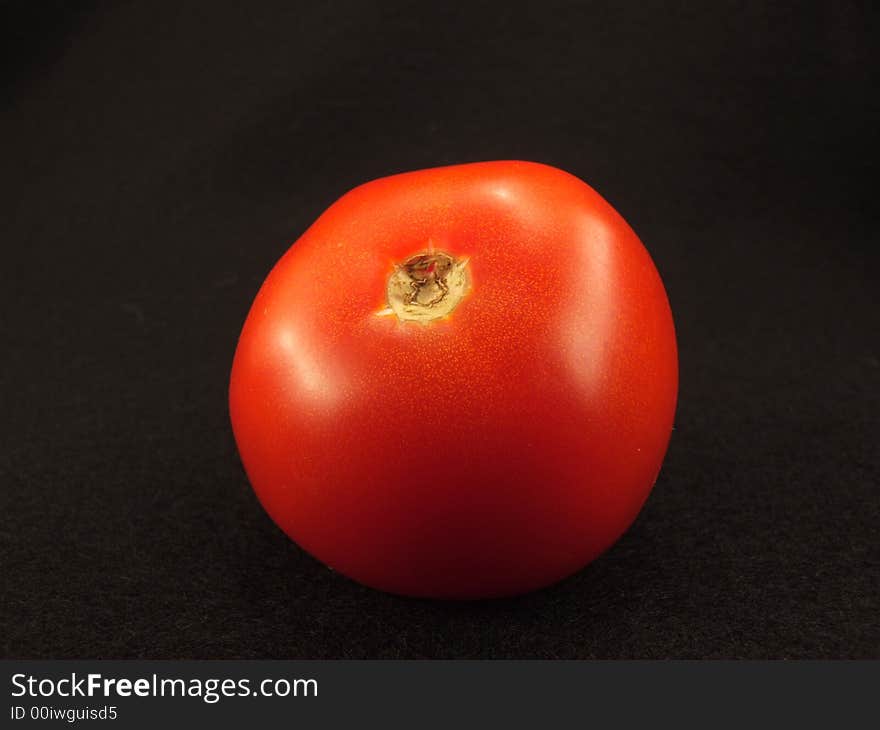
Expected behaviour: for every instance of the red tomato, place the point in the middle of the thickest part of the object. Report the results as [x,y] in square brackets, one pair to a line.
[459,383]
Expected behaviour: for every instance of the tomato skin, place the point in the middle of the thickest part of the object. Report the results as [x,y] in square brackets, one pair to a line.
[487,453]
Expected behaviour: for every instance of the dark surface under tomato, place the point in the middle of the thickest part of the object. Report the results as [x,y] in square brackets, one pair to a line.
[156,164]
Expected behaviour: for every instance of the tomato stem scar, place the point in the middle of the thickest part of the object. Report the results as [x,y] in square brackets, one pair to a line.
[427,286]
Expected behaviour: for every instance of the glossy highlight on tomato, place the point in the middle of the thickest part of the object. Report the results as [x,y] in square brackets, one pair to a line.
[459,382]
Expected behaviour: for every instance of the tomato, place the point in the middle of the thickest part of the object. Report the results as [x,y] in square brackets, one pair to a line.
[459,382]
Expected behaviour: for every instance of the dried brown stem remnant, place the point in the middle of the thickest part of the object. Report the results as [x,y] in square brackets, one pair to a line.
[427,286]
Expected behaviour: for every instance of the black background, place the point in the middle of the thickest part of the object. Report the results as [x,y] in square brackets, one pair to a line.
[157,159]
